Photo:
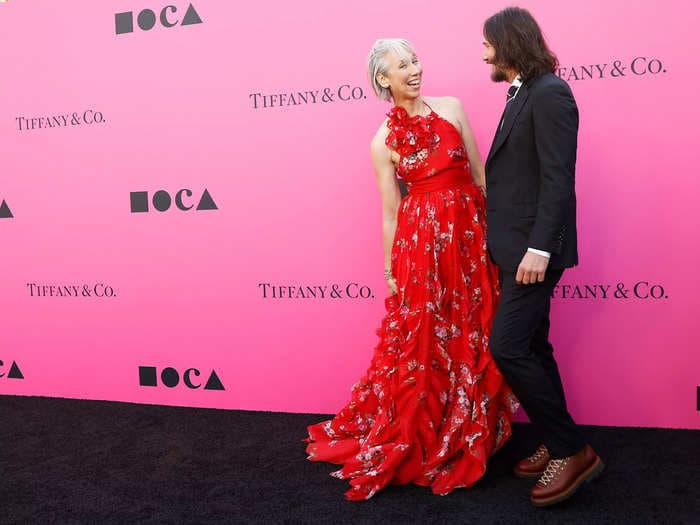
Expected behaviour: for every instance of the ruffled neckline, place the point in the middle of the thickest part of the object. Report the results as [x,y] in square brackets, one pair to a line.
[409,134]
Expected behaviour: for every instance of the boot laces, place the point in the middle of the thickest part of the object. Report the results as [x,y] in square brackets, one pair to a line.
[554,468]
[539,454]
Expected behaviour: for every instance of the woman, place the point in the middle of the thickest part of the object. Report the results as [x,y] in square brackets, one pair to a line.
[432,406]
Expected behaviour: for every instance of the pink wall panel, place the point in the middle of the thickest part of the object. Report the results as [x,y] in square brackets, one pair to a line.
[292,201]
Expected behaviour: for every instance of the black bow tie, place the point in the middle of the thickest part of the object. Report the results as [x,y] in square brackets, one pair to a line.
[512,90]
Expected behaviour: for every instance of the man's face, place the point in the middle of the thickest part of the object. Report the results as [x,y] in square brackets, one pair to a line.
[489,56]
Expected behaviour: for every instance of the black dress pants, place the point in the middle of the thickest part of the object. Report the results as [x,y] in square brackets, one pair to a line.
[521,348]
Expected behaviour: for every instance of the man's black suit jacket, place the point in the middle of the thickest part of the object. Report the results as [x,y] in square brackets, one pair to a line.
[530,174]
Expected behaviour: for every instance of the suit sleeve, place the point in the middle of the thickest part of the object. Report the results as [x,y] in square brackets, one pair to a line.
[555,122]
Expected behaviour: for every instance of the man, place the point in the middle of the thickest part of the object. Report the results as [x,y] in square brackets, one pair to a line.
[531,220]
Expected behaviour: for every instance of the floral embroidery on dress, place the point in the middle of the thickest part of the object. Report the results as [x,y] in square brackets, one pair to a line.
[432,406]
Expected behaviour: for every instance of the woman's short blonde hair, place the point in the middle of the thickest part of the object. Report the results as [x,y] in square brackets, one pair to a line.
[377,65]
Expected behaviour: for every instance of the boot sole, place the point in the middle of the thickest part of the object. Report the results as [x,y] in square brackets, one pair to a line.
[586,476]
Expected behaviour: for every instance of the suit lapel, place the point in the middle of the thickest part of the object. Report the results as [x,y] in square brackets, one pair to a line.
[510,114]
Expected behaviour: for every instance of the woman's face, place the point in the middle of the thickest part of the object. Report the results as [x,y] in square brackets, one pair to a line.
[403,74]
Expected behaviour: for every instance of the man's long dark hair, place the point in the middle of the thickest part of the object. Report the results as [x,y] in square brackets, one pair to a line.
[519,43]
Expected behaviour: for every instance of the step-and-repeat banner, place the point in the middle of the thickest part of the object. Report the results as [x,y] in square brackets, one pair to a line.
[189,216]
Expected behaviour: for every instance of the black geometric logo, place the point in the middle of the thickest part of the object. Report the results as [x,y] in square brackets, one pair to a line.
[146,19]
[5,212]
[14,373]
[162,201]
[148,376]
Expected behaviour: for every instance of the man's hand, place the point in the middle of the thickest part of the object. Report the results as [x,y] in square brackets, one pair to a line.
[532,268]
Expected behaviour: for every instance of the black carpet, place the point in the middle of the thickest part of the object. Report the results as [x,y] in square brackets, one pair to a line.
[70,461]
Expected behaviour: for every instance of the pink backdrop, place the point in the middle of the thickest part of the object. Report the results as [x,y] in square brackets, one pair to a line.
[173,108]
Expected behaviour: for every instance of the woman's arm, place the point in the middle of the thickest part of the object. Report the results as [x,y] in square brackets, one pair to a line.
[476,165]
[390,195]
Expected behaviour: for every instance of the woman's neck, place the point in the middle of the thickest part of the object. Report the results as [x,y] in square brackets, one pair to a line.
[413,106]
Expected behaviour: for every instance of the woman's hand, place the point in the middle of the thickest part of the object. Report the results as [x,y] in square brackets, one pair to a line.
[393,289]
[390,281]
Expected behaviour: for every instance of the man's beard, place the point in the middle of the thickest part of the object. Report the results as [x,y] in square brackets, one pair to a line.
[498,75]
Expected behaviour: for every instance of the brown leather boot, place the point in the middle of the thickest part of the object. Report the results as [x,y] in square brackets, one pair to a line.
[563,476]
[533,466]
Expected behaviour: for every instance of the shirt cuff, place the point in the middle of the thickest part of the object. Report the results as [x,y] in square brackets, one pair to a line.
[540,252]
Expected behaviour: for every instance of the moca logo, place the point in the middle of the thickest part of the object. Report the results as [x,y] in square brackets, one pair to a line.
[162,201]
[14,373]
[5,212]
[146,19]
[148,376]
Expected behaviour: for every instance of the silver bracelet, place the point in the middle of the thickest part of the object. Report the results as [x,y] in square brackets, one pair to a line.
[387,274]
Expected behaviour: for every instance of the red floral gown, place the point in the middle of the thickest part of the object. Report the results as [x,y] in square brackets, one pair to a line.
[432,406]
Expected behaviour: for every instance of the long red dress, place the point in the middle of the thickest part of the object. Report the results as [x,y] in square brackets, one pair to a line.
[432,406]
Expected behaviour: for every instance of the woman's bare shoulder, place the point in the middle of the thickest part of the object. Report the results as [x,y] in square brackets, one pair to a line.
[446,103]
[380,136]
